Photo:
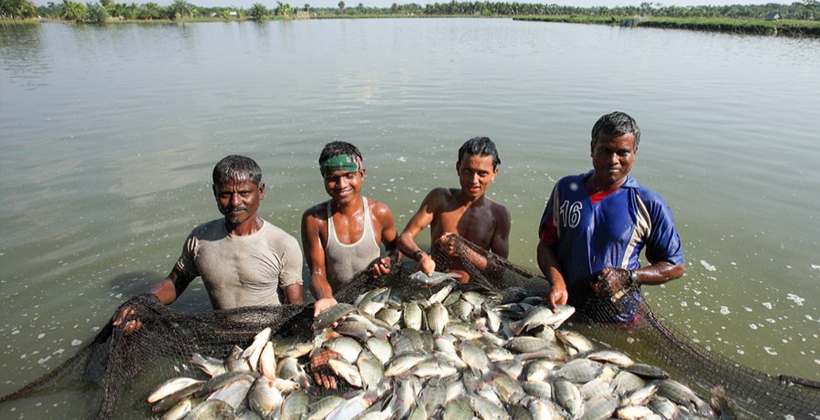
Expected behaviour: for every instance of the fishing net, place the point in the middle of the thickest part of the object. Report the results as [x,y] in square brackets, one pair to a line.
[113,374]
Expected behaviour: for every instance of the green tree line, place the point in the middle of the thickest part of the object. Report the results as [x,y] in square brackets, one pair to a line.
[105,10]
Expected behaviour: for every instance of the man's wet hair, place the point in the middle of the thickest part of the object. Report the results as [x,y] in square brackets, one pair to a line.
[615,124]
[236,168]
[336,148]
[480,146]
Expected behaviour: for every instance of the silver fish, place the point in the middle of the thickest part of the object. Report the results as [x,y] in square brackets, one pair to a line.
[538,389]
[264,398]
[611,356]
[346,346]
[171,401]
[412,315]
[211,410]
[331,315]
[267,361]
[634,412]
[436,278]
[179,411]
[211,366]
[542,316]
[295,406]
[370,369]
[236,362]
[320,409]
[403,363]
[346,371]
[568,396]
[374,300]
[437,317]
[574,343]
[289,368]
[223,380]
[626,382]
[459,409]
[253,351]
[441,294]
[579,370]
[171,386]
[600,407]
[391,316]
[381,349]
[475,358]
[486,410]
[353,406]
[235,393]
[509,390]
[291,347]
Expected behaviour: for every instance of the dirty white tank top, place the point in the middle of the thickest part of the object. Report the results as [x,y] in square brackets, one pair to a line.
[343,261]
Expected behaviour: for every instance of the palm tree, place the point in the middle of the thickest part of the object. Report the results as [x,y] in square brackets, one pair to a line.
[181,9]
[342,6]
[258,11]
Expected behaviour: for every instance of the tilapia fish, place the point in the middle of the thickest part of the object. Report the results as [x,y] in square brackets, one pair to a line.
[436,278]
[448,353]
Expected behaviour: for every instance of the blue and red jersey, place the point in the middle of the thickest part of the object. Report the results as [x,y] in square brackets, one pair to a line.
[593,231]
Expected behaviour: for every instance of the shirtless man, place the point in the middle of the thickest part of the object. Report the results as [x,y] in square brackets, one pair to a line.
[341,236]
[464,211]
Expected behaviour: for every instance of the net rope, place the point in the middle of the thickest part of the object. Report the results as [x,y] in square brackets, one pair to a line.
[114,373]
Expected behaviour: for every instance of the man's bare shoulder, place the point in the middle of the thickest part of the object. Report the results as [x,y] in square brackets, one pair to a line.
[319,211]
[498,208]
[439,198]
[377,207]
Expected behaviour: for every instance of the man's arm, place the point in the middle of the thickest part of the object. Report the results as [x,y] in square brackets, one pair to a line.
[315,253]
[423,217]
[548,262]
[166,291]
[384,218]
[294,294]
[659,273]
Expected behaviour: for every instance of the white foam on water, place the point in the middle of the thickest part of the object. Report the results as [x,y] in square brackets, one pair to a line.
[770,350]
[40,336]
[797,299]
[707,266]
[76,343]
[767,305]
[724,310]
[753,326]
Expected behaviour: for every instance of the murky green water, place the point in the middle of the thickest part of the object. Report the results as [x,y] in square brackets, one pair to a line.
[108,136]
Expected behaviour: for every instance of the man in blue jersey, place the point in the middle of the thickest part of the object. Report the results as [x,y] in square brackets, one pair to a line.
[596,224]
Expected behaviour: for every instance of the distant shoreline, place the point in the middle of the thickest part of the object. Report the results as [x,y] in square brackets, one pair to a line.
[790,28]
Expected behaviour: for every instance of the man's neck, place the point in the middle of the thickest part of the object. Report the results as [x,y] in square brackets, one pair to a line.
[467,200]
[593,186]
[248,227]
[348,208]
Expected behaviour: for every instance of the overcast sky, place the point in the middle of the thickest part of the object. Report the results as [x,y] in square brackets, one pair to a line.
[386,3]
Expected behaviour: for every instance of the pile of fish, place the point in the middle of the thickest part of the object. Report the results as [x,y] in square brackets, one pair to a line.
[445,352]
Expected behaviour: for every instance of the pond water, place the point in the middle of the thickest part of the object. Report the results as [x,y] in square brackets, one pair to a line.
[108,136]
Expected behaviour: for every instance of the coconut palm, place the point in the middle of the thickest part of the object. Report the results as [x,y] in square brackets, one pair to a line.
[258,11]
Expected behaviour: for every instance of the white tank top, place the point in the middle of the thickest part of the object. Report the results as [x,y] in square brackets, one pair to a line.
[343,261]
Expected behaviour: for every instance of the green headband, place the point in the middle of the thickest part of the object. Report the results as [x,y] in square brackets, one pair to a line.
[349,163]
